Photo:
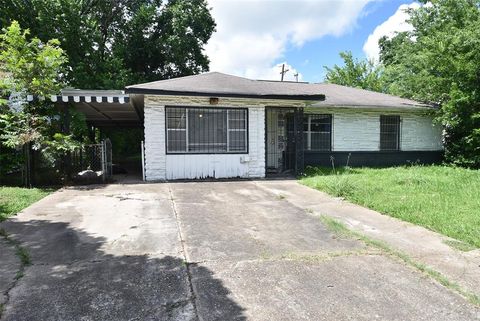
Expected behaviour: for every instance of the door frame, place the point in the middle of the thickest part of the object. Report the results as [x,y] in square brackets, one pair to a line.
[297,139]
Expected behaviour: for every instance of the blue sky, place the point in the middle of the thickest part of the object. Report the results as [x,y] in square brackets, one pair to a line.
[310,59]
[254,36]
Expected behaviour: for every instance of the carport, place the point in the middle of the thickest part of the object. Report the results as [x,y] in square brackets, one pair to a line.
[108,113]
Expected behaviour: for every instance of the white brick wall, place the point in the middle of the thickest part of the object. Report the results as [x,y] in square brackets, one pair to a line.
[160,166]
[359,130]
[420,133]
[353,130]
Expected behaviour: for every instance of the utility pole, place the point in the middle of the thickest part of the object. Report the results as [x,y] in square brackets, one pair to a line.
[283,72]
[296,76]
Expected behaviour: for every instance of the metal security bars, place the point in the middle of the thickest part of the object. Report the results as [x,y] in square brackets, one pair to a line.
[317,132]
[195,130]
[389,132]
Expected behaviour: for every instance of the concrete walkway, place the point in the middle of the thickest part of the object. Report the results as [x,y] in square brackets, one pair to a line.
[422,245]
[207,251]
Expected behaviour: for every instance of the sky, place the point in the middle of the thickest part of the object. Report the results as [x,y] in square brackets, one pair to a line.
[255,37]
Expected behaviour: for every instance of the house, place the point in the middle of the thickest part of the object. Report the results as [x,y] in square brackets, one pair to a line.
[218,125]
[222,126]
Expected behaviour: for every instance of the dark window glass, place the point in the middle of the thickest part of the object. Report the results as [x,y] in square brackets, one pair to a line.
[318,132]
[389,132]
[206,130]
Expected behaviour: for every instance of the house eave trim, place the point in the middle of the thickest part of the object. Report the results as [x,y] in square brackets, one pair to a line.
[144,91]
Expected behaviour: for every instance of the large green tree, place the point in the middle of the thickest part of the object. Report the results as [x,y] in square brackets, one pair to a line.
[113,43]
[358,73]
[439,62]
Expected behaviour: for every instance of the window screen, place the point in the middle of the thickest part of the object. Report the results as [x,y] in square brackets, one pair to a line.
[389,132]
[317,131]
[206,130]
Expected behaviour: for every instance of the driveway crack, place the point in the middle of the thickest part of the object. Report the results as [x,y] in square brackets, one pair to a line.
[184,254]
[24,259]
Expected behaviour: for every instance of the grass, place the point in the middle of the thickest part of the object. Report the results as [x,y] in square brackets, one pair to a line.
[443,199]
[341,230]
[15,199]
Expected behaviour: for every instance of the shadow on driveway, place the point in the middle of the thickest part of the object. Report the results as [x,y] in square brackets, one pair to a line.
[71,278]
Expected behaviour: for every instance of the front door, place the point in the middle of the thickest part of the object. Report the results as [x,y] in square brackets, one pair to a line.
[279,146]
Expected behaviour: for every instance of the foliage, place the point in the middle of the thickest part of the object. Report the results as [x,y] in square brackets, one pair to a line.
[443,199]
[364,74]
[437,62]
[114,43]
[36,68]
[15,199]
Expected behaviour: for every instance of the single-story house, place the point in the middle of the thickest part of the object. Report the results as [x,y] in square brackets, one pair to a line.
[222,126]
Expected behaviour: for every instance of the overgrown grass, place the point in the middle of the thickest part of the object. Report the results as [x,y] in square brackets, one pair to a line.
[442,199]
[15,199]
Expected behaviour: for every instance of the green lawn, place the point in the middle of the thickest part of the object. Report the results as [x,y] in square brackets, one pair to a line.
[443,199]
[14,199]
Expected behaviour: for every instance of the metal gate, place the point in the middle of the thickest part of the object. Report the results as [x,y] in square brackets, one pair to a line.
[280,144]
[95,157]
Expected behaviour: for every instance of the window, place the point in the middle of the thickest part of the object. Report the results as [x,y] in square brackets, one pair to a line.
[206,130]
[389,132]
[317,131]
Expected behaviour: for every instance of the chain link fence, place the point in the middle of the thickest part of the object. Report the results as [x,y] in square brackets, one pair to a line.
[95,158]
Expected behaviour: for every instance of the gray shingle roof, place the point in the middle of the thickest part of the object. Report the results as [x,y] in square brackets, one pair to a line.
[223,85]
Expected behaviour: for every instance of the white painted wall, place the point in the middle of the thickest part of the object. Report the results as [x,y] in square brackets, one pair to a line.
[160,166]
[357,131]
[353,130]
[360,131]
[155,161]
[420,133]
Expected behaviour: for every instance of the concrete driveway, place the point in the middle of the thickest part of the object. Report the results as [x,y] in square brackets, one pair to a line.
[205,251]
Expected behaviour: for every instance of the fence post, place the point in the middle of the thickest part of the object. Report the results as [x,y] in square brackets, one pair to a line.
[104,163]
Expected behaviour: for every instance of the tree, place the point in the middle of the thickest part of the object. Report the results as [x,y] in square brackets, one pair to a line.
[30,67]
[364,74]
[438,62]
[114,43]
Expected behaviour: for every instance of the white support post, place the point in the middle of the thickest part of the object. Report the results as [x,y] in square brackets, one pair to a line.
[143,160]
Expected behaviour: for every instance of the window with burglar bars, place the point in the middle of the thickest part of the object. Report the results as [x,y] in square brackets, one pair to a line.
[389,132]
[206,130]
[317,131]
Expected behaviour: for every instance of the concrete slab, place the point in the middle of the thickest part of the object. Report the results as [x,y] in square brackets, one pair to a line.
[101,253]
[343,288]
[112,288]
[238,220]
[82,223]
[206,251]
[419,243]
[9,266]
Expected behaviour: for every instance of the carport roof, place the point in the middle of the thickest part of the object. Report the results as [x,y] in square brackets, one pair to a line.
[215,84]
[104,108]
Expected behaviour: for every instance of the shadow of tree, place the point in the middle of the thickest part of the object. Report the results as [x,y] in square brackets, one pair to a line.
[72,278]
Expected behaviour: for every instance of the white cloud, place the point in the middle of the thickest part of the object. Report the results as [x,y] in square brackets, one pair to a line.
[396,23]
[252,35]
[273,73]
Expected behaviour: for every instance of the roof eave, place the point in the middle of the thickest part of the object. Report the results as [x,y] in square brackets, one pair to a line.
[378,106]
[146,91]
